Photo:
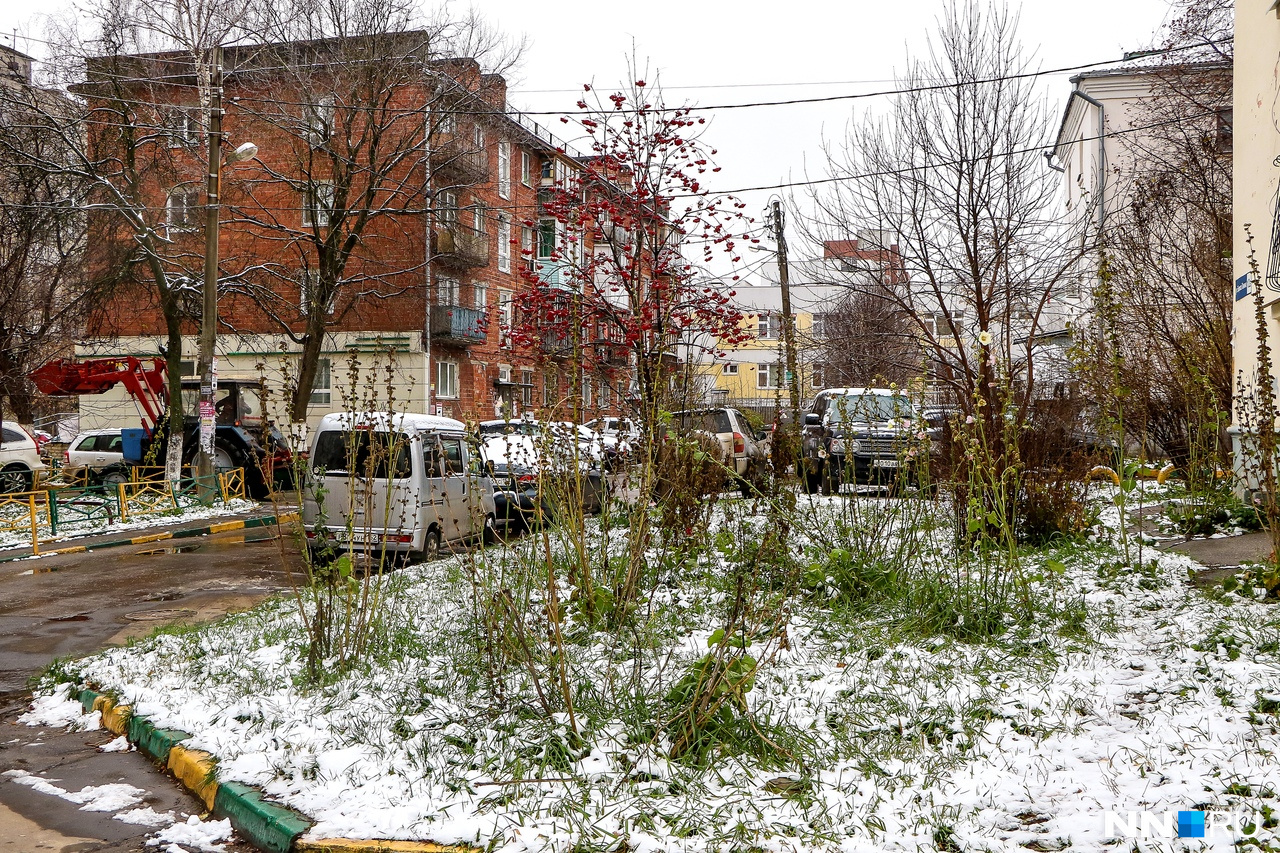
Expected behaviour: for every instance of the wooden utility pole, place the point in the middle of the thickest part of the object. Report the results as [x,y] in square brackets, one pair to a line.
[788,319]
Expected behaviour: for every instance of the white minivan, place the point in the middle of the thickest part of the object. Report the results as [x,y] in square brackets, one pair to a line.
[408,483]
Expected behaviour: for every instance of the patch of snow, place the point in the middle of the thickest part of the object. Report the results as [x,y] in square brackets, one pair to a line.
[111,797]
[145,816]
[120,744]
[196,834]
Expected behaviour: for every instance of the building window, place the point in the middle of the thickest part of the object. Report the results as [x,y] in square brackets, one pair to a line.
[767,328]
[606,394]
[447,380]
[446,291]
[447,209]
[1225,129]
[526,388]
[526,176]
[480,293]
[550,389]
[548,171]
[526,245]
[317,209]
[481,217]
[504,242]
[817,377]
[183,127]
[182,211]
[307,293]
[729,370]
[768,376]
[505,316]
[320,120]
[477,138]
[504,169]
[546,238]
[322,385]
[818,326]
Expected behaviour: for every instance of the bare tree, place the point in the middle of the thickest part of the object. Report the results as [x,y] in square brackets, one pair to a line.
[868,339]
[1170,243]
[372,127]
[43,291]
[953,173]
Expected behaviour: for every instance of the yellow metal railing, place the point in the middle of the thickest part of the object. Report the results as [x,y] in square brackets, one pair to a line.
[20,512]
[231,483]
[146,497]
[153,473]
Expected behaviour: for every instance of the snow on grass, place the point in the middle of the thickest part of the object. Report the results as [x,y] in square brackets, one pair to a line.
[1152,697]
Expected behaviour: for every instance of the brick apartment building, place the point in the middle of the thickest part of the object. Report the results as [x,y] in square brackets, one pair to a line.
[425,308]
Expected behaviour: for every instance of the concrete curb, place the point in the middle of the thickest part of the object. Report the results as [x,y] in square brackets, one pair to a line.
[143,539]
[267,826]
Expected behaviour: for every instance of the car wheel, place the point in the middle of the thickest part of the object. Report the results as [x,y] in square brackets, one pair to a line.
[831,479]
[15,478]
[112,478]
[431,545]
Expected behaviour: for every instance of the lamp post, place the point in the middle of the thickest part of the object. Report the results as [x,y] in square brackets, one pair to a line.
[209,314]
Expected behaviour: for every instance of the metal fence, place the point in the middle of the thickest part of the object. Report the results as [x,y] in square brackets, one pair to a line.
[43,514]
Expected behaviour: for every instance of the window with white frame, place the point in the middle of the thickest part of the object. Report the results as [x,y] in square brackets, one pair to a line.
[182,126]
[506,316]
[319,120]
[481,214]
[480,295]
[477,138]
[322,385]
[817,376]
[766,328]
[182,210]
[504,373]
[768,376]
[526,388]
[526,169]
[818,326]
[504,170]
[504,242]
[317,208]
[447,209]
[308,287]
[447,379]
[546,238]
[729,369]
[526,245]
[606,393]
[446,291]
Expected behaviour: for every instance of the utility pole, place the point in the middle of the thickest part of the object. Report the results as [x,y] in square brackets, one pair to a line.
[206,359]
[788,319]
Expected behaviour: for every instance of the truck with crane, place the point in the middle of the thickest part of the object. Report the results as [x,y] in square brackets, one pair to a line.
[243,437]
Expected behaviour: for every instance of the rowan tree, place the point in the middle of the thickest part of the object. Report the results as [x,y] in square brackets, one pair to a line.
[612,291]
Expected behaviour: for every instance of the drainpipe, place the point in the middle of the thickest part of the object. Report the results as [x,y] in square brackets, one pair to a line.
[1102,155]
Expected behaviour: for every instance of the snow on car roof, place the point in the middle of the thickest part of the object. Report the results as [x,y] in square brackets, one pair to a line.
[404,421]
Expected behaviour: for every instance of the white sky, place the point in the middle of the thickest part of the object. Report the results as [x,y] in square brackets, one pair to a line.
[816,47]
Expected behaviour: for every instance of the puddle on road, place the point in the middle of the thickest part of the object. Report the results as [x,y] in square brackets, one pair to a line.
[172,549]
[166,595]
[159,615]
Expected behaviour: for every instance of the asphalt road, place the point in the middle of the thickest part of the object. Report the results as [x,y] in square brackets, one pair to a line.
[73,604]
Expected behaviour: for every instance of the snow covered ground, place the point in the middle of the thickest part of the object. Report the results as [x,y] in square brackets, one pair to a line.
[1154,698]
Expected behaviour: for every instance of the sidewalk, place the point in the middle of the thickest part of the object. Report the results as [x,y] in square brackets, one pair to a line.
[1224,552]
[261,517]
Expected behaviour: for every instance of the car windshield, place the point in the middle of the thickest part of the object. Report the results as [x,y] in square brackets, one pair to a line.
[362,453]
[869,408]
[510,428]
[715,421]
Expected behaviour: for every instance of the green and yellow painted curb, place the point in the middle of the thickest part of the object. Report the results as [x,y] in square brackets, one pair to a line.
[265,825]
[143,539]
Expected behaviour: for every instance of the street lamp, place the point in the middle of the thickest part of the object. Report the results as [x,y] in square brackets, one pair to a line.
[209,315]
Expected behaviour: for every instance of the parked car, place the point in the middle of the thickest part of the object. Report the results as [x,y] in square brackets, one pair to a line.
[99,454]
[862,435]
[409,484]
[20,460]
[618,436]
[746,458]
[533,474]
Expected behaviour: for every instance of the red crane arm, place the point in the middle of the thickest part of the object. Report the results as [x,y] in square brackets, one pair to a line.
[144,379]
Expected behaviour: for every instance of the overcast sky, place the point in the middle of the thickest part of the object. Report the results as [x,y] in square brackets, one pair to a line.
[723,53]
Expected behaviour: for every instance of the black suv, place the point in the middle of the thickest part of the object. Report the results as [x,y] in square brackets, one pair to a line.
[861,435]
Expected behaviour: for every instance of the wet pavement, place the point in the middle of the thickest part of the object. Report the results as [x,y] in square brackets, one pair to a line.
[73,604]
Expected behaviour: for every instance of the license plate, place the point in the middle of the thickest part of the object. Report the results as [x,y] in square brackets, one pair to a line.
[886,463]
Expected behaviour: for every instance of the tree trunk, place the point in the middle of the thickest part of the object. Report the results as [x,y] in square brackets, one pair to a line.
[173,364]
[306,371]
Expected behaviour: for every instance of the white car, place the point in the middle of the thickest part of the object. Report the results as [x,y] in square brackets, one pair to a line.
[19,459]
[100,452]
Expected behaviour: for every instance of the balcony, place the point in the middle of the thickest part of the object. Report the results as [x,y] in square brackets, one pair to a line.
[461,247]
[457,325]
[454,159]
[555,273]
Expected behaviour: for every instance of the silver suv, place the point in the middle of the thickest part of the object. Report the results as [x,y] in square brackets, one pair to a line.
[19,459]
[745,457]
